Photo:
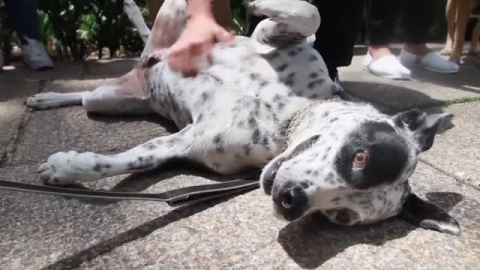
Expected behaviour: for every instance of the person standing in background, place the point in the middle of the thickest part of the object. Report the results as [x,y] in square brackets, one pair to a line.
[416,19]
[23,15]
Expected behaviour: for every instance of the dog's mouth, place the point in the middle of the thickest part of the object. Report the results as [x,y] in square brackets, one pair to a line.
[270,174]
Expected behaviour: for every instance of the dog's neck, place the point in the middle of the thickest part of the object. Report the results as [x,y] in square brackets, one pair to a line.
[299,123]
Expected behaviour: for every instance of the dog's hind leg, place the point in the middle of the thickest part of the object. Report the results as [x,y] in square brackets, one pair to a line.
[169,24]
[127,94]
[289,22]
[124,95]
[67,167]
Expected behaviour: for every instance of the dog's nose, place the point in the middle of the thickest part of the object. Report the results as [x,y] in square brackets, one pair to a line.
[291,201]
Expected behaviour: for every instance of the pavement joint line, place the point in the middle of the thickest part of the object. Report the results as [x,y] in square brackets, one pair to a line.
[12,145]
[458,179]
[134,234]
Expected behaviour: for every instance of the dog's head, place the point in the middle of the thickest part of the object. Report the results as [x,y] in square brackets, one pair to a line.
[352,163]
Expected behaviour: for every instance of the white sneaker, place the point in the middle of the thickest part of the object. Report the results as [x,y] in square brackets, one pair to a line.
[35,55]
[431,61]
[386,67]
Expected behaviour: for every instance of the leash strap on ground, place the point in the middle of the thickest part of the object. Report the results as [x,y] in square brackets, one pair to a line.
[176,197]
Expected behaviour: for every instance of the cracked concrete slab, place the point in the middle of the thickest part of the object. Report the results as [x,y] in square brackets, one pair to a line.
[426,88]
[243,234]
[72,128]
[40,230]
[457,151]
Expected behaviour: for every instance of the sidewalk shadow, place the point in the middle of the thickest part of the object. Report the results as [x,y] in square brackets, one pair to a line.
[391,99]
[313,240]
[464,80]
[168,125]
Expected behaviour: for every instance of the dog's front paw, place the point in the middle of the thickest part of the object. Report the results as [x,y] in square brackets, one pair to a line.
[67,167]
[53,100]
[35,101]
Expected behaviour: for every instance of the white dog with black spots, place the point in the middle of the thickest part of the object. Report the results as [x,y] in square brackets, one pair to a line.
[263,103]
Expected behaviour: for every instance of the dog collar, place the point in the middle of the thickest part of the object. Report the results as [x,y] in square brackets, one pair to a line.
[300,115]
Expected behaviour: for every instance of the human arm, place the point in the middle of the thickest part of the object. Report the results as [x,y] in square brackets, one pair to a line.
[199,36]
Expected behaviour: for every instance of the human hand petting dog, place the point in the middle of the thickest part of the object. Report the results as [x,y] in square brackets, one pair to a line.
[198,38]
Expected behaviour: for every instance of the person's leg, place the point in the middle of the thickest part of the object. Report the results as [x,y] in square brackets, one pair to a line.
[24,17]
[335,39]
[417,19]
[381,21]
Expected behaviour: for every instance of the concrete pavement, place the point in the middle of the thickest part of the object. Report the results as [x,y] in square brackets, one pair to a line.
[49,232]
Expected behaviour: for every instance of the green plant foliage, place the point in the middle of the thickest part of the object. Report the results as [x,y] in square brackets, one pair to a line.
[76,28]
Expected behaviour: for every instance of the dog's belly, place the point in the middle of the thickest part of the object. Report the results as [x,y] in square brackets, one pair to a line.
[238,106]
[237,75]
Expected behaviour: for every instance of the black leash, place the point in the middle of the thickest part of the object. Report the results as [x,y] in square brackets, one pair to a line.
[176,197]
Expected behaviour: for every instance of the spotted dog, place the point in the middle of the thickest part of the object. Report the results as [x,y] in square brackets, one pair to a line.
[264,103]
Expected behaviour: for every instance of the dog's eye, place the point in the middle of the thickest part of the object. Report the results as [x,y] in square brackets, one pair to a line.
[360,160]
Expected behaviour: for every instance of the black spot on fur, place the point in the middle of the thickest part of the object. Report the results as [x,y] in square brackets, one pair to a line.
[205,96]
[265,142]
[218,141]
[254,76]
[256,136]
[292,53]
[215,78]
[313,75]
[149,146]
[252,123]
[315,83]
[308,171]
[263,83]
[142,163]
[282,68]
[312,58]
[100,167]
[333,119]
[289,79]
[247,148]
[97,167]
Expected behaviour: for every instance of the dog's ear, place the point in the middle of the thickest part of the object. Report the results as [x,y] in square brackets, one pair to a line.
[420,127]
[428,216]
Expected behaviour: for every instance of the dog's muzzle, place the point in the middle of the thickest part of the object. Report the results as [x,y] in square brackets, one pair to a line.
[291,201]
